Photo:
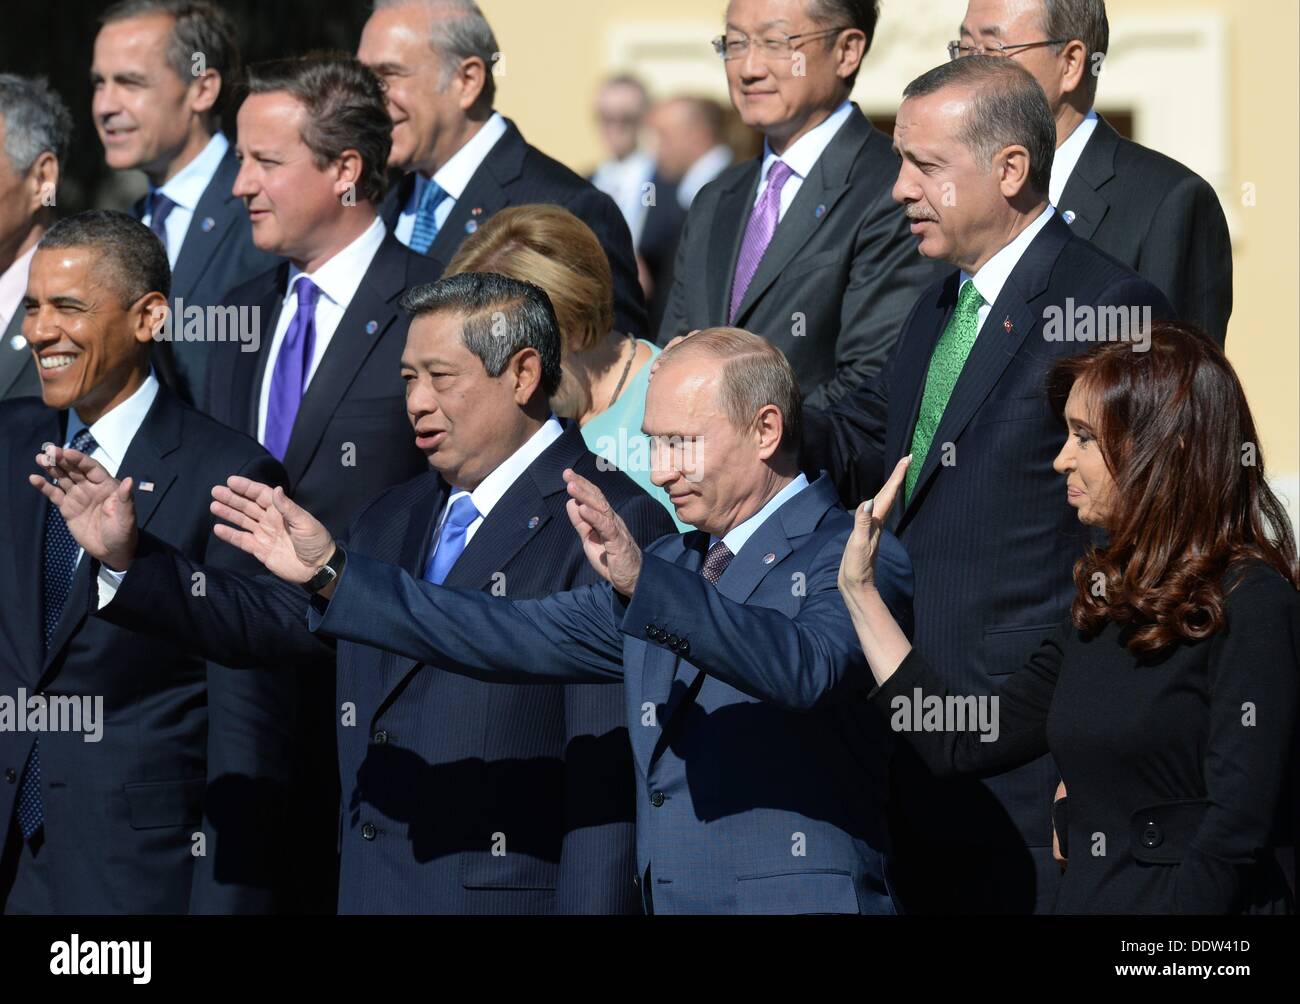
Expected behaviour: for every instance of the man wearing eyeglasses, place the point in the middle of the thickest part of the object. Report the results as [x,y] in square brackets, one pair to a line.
[802,245]
[1139,206]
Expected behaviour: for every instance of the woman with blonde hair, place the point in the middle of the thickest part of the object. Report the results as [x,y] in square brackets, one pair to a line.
[605,372]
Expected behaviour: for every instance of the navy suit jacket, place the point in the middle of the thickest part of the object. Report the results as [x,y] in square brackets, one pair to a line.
[517,174]
[186,746]
[459,797]
[990,533]
[216,255]
[760,782]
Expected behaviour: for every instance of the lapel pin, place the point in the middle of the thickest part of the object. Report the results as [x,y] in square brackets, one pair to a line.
[207,224]
[1008,325]
[820,211]
[476,211]
[1068,216]
[769,558]
[18,343]
[471,226]
[372,327]
[534,523]
[146,486]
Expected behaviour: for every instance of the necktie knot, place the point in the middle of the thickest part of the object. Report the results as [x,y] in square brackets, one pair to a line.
[84,442]
[432,197]
[452,538]
[779,173]
[463,512]
[716,562]
[307,293]
[969,299]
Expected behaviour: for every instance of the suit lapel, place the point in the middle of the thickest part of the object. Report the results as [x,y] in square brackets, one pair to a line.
[484,195]
[217,211]
[371,313]
[250,371]
[730,220]
[1082,193]
[13,362]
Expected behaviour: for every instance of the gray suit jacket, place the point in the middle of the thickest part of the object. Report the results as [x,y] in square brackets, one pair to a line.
[18,376]
[837,281]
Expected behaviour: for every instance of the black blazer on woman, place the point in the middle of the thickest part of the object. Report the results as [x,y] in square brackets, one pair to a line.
[1175,767]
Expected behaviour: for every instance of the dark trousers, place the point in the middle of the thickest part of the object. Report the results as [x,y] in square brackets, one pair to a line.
[25,886]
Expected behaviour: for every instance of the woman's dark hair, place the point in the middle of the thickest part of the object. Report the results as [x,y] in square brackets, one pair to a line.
[1190,498]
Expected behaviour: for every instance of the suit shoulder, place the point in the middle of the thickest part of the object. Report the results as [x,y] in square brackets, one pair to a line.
[555,175]
[1160,170]
[1080,257]
[613,483]
[20,412]
[253,290]
[219,442]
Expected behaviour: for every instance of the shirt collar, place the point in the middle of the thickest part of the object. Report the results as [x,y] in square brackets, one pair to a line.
[115,430]
[1068,153]
[13,284]
[191,181]
[493,487]
[990,279]
[453,177]
[738,536]
[804,152]
[339,277]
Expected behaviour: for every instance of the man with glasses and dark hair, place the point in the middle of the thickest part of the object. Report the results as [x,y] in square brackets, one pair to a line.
[1152,213]
[803,244]
[162,73]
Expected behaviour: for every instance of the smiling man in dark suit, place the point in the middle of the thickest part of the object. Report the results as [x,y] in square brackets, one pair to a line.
[802,245]
[462,797]
[983,516]
[1149,211]
[461,160]
[177,805]
[162,72]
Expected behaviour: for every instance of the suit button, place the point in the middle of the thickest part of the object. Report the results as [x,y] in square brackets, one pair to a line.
[368,831]
[657,799]
[650,631]
[381,738]
[1152,836]
[684,648]
[636,881]
[673,641]
[11,775]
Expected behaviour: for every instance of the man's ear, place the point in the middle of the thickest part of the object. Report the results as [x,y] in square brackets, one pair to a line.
[525,369]
[205,91]
[1075,66]
[471,77]
[769,428]
[850,50]
[42,182]
[148,315]
[1012,164]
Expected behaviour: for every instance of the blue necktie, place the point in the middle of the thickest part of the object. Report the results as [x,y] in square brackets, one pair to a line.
[426,227]
[291,368]
[451,539]
[160,207]
[60,558]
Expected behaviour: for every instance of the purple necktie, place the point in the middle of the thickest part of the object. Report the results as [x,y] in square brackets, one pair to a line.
[758,235]
[291,368]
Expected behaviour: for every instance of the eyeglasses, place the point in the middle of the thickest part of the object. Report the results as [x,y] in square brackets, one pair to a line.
[777,45]
[956,50]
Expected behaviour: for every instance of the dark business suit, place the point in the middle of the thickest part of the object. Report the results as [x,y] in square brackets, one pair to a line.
[658,245]
[217,255]
[439,771]
[1158,218]
[186,746]
[760,783]
[351,440]
[516,174]
[838,279]
[993,542]
[18,374]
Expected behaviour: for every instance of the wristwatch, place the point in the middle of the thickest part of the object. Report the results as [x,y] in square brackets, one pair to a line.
[330,571]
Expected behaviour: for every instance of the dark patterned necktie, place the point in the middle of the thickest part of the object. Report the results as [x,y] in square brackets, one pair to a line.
[160,207]
[60,559]
[716,562]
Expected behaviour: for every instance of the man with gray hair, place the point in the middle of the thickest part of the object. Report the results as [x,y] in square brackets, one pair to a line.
[35,128]
[461,797]
[462,161]
[162,73]
[760,771]
[1150,212]
[986,520]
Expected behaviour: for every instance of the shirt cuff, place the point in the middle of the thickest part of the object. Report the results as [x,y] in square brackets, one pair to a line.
[109,583]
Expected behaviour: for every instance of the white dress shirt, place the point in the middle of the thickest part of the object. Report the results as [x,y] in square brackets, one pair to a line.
[624,181]
[496,484]
[185,189]
[990,279]
[738,536]
[802,156]
[13,287]
[1067,157]
[702,172]
[337,280]
[453,177]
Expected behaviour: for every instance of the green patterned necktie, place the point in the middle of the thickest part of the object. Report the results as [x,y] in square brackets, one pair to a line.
[946,364]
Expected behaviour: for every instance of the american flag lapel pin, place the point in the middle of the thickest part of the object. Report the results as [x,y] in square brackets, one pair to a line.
[146,486]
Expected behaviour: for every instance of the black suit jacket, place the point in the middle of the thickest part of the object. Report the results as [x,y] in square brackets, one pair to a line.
[658,247]
[838,279]
[516,174]
[1158,218]
[440,770]
[216,256]
[991,536]
[18,374]
[187,747]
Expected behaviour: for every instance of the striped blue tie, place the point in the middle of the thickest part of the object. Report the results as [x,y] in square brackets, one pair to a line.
[426,222]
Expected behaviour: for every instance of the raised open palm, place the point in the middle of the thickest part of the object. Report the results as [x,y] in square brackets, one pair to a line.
[98,509]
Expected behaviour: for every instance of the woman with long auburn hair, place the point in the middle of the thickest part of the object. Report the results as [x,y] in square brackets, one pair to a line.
[1169,698]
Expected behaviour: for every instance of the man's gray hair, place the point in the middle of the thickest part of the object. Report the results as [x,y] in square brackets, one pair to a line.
[459,31]
[755,374]
[1084,20]
[502,317]
[129,252]
[36,121]
[1007,108]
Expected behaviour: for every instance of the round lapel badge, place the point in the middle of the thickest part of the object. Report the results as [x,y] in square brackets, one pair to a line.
[207,224]
[471,226]
[372,327]
[821,211]
[1068,216]
[769,558]
[534,523]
